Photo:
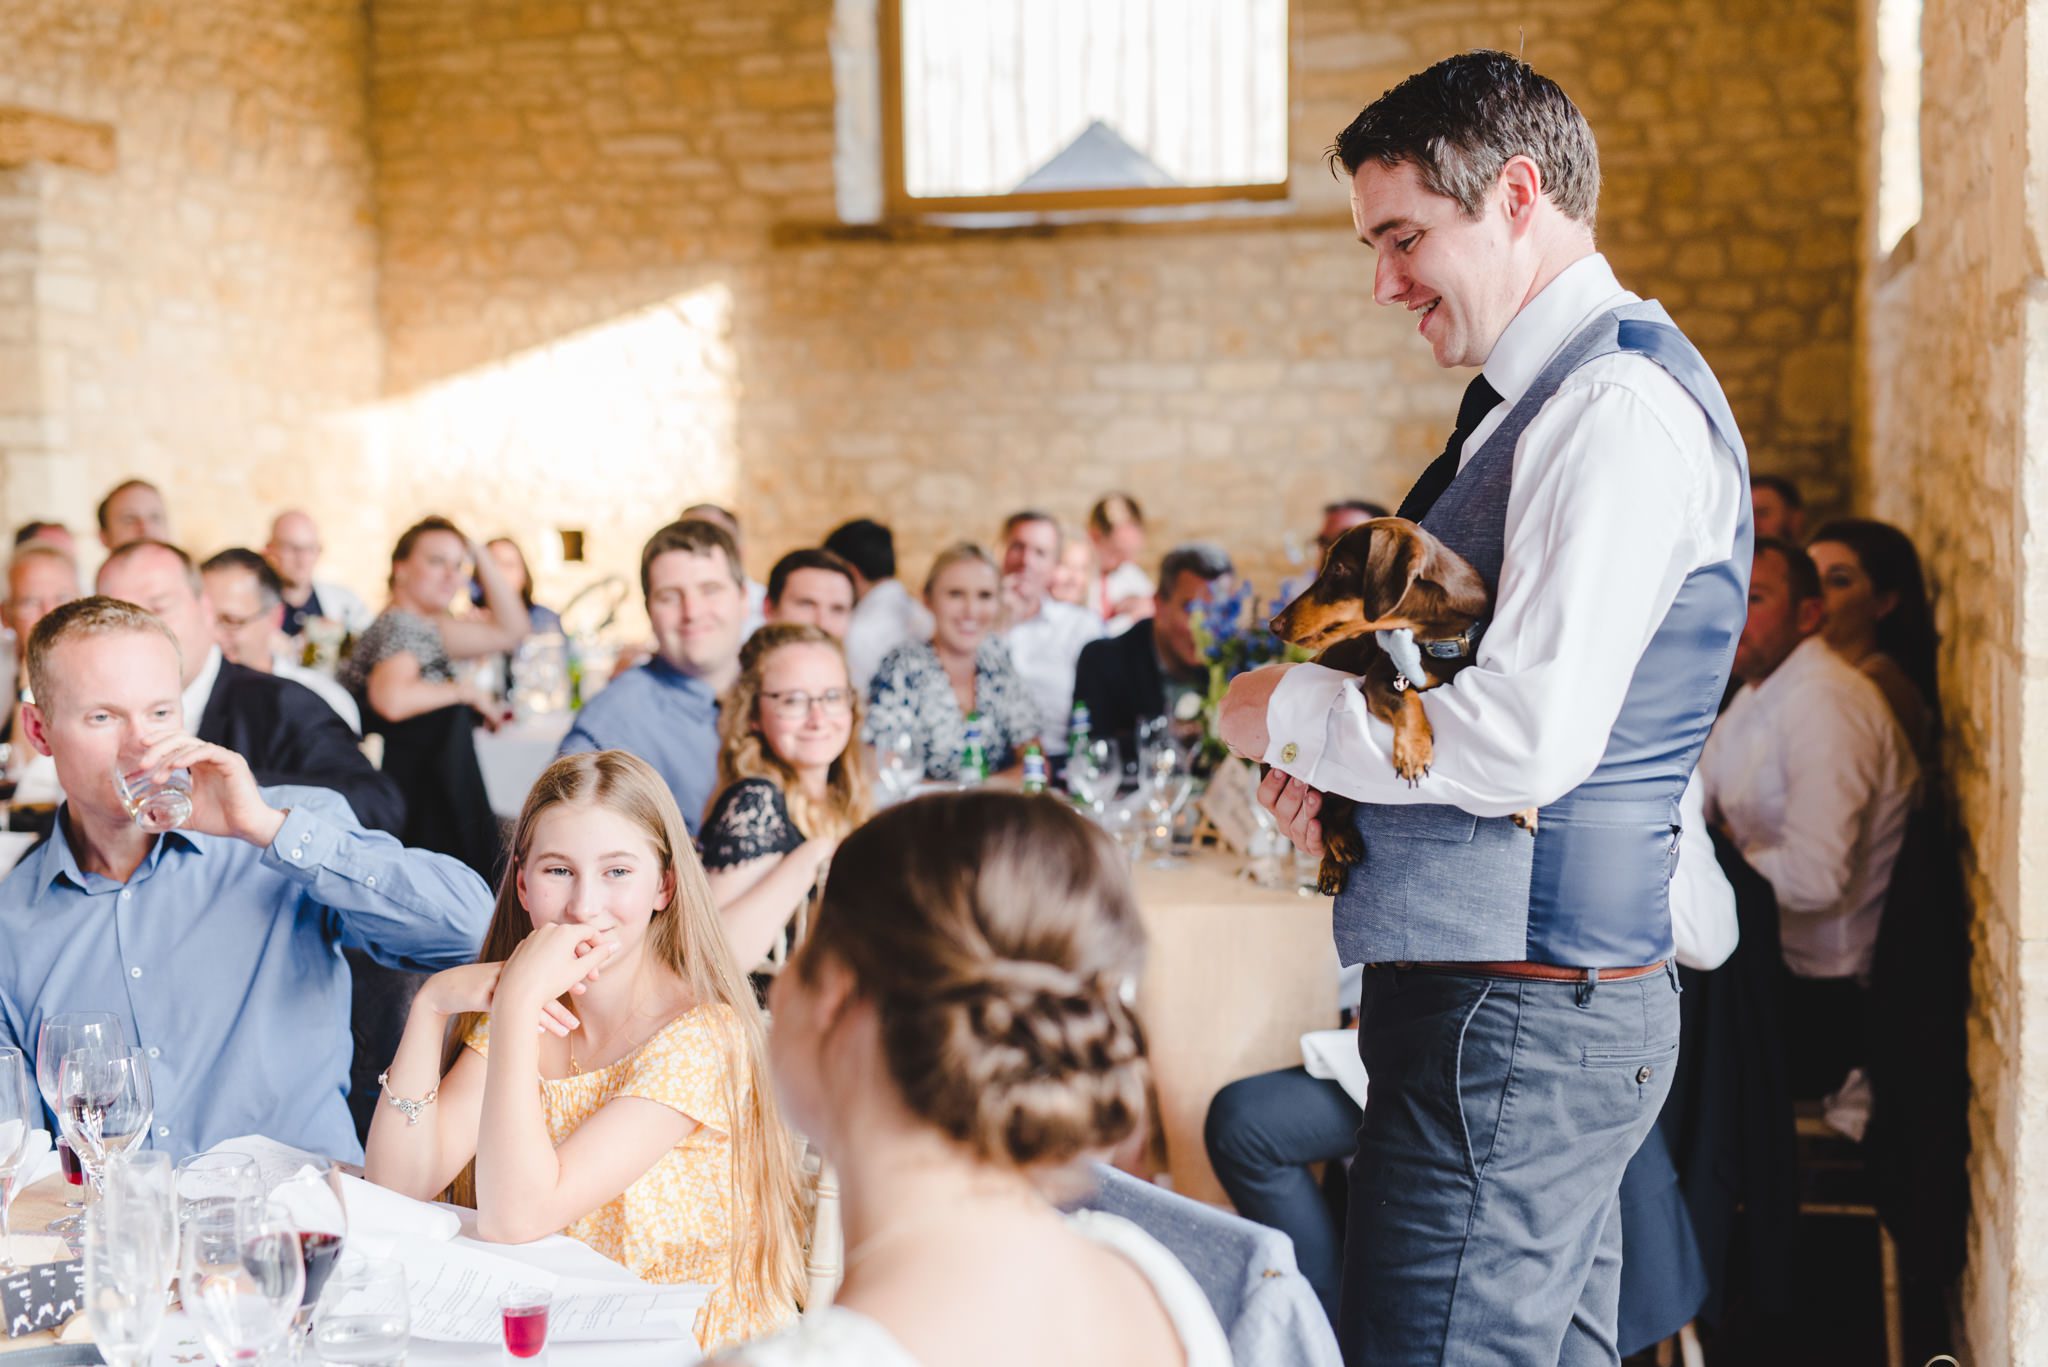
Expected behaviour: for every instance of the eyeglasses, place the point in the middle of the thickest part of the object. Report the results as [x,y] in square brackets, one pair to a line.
[797,703]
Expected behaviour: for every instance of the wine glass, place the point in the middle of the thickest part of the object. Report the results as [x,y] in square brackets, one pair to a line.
[363,1319]
[60,1034]
[144,1177]
[106,1105]
[313,1201]
[127,1268]
[1095,773]
[896,764]
[1168,784]
[240,1275]
[19,1117]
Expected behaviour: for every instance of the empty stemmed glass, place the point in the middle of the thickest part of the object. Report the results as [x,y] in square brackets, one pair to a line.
[1168,782]
[128,1247]
[20,1116]
[1094,773]
[896,765]
[60,1035]
[105,1105]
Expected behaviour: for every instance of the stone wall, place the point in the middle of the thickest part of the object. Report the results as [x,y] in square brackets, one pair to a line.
[545,170]
[1955,450]
[202,298]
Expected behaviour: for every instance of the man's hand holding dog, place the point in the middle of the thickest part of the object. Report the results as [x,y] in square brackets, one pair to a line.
[1241,721]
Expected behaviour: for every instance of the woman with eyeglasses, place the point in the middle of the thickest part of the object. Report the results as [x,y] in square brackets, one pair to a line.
[791,782]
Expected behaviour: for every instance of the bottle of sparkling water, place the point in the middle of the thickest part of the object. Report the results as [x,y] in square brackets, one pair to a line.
[1077,730]
[1034,768]
[973,753]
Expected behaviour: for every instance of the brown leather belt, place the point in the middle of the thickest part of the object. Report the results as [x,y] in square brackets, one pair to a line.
[1542,973]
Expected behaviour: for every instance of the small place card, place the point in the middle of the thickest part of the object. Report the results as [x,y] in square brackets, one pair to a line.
[1231,802]
[42,1297]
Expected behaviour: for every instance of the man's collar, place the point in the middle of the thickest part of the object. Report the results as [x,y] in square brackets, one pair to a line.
[59,860]
[1570,301]
[660,667]
[201,689]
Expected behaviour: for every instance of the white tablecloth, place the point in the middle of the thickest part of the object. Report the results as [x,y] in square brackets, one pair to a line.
[512,757]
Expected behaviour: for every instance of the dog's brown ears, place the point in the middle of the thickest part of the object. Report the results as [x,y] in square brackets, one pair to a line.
[1393,562]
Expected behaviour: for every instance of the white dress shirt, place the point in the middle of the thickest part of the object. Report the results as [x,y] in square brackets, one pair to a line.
[887,616]
[201,689]
[1703,923]
[1127,580]
[331,693]
[344,605]
[1045,647]
[1814,780]
[757,608]
[1620,490]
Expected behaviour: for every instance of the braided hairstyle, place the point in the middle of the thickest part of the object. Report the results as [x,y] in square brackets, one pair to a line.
[997,937]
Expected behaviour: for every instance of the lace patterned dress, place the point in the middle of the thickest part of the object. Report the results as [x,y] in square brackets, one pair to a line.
[750,820]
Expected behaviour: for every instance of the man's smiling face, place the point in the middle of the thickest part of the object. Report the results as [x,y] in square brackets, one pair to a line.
[1447,269]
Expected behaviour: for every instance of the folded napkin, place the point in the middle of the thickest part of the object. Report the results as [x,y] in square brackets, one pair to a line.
[1333,1056]
[380,1211]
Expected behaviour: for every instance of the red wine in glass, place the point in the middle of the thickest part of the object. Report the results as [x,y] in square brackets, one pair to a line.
[74,1171]
[320,1252]
[526,1330]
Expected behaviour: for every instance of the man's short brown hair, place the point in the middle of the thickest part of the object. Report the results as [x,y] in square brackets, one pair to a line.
[98,615]
[129,550]
[698,537]
[106,508]
[1460,121]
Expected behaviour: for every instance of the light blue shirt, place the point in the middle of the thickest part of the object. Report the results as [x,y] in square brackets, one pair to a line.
[667,718]
[225,961]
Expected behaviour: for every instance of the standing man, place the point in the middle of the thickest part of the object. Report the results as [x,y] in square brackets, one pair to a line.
[294,551]
[1519,1014]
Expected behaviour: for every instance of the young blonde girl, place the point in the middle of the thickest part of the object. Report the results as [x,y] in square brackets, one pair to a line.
[792,781]
[653,1134]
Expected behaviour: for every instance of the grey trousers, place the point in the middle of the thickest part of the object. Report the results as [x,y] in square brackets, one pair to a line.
[1499,1117]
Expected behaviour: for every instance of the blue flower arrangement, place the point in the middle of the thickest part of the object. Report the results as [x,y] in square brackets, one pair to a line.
[1233,635]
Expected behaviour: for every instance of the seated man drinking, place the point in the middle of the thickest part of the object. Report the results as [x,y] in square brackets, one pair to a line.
[219,942]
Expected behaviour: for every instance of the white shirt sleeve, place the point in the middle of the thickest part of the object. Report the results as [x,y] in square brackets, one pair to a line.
[1703,921]
[1833,761]
[1617,496]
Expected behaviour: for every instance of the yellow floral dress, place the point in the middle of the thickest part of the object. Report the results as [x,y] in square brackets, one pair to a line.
[675,1224]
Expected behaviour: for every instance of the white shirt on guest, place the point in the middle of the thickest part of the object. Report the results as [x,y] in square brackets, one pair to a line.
[1127,580]
[1703,923]
[757,608]
[1045,647]
[887,616]
[1809,772]
[1620,490]
[344,605]
[331,693]
[201,688]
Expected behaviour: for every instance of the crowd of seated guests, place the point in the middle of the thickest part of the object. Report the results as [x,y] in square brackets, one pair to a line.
[683,836]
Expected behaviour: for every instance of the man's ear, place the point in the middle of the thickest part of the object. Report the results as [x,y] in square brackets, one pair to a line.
[1521,189]
[36,726]
[1392,564]
[1813,615]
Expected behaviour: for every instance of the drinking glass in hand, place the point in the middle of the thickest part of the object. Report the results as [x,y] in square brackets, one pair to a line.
[104,1105]
[240,1277]
[60,1035]
[127,1267]
[363,1319]
[161,806]
[20,1115]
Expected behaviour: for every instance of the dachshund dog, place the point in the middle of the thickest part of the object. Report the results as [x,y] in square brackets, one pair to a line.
[1388,575]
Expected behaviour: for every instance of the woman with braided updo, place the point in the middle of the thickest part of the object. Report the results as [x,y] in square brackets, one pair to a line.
[955,1036]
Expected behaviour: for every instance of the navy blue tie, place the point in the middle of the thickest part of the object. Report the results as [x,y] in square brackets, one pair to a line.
[1481,398]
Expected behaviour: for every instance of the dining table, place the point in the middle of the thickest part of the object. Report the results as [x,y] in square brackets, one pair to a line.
[1235,975]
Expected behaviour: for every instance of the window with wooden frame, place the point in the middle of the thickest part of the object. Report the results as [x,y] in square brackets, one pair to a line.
[1003,106]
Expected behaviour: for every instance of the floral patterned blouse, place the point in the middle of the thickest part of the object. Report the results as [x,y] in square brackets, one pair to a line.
[676,1222]
[911,692]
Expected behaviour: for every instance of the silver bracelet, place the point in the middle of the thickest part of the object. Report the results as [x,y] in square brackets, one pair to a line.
[407,1107]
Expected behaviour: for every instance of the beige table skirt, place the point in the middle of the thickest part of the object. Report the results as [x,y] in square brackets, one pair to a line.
[1235,976]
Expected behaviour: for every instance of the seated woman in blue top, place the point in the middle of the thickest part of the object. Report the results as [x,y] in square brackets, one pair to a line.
[792,782]
[217,941]
[927,688]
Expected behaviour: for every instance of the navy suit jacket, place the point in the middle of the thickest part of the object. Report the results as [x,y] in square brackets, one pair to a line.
[290,736]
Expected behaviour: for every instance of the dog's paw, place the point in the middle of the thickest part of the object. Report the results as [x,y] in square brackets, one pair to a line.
[1412,758]
[1526,819]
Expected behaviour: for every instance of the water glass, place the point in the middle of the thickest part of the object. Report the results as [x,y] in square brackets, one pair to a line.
[240,1277]
[897,770]
[1094,774]
[161,806]
[127,1268]
[523,1314]
[143,1181]
[363,1319]
[20,1116]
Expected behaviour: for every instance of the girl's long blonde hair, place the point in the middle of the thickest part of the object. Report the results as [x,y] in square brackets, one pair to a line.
[743,752]
[687,937]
